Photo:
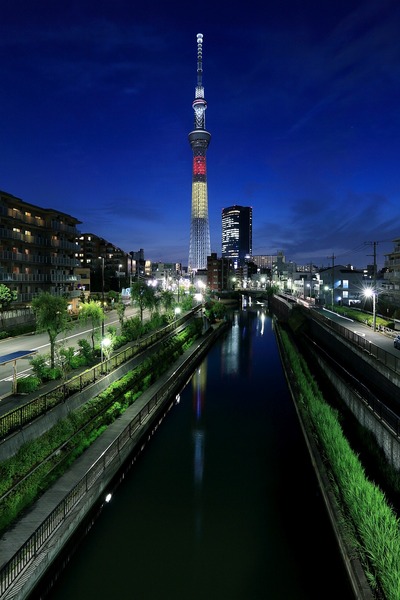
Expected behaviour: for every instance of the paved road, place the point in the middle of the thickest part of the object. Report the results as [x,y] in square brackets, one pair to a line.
[40,343]
[379,339]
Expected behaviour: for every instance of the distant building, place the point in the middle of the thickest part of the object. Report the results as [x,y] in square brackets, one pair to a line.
[166,275]
[38,248]
[342,285]
[237,234]
[139,267]
[109,265]
[265,262]
[218,270]
[391,283]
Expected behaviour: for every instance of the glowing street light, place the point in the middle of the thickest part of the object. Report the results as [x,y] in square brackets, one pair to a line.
[119,277]
[105,346]
[368,292]
[102,291]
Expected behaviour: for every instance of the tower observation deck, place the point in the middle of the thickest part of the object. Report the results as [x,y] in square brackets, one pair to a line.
[199,139]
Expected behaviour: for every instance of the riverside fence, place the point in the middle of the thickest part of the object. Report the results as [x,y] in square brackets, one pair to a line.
[16,419]
[32,547]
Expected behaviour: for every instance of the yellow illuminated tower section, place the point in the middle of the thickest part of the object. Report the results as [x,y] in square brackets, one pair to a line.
[199,139]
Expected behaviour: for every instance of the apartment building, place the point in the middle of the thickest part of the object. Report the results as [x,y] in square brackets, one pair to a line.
[37,250]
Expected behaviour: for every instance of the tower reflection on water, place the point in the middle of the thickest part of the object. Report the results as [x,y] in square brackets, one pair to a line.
[198,386]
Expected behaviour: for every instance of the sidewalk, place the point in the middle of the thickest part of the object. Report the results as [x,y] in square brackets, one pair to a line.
[13,401]
[14,538]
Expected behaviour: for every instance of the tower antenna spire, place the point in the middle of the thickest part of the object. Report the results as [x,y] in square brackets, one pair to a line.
[199,139]
[200,60]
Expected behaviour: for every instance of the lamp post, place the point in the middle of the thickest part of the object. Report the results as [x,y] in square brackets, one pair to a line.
[105,345]
[326,289]
[102,291]
[119,278]
[368,293]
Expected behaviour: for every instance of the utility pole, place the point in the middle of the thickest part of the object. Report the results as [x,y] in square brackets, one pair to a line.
[374,274]
[333,273]
[102,293]
[374,290]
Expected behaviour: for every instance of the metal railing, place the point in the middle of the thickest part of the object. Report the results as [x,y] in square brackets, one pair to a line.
[30,549]
[16,419]
[386,358]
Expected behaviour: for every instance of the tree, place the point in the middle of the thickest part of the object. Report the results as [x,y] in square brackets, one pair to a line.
[167,300]
[215,310]
[6,297]
[92,312]
[121,307]
[51,316]
[143,295]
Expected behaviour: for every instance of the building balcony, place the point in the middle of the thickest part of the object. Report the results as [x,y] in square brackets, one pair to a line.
[8,234]
[65,245]
[71,229]
[37,278]
[17,215]
[20,257]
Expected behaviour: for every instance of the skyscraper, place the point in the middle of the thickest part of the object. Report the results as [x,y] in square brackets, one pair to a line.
[237,234]
[199,139]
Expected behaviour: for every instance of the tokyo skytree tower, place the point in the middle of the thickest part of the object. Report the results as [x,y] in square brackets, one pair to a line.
[199,139]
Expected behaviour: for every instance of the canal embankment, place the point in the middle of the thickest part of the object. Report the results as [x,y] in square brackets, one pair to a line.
[354,567]
[33,543]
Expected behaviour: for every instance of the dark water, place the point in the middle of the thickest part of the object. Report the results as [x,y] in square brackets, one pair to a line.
[223,502]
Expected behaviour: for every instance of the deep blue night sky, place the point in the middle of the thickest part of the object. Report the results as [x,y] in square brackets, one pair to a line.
[303,109]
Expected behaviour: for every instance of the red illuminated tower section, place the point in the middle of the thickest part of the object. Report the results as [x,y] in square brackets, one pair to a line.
[199,139]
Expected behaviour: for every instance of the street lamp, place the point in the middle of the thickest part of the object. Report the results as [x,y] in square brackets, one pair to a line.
[368,292]
[119,278]
[326,289]
[102,291]
[105,345]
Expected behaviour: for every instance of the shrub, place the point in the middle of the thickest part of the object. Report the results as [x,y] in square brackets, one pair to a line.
[28,384]
[52,374]
[132,328]
[85,350]
[78,361]
[39,366]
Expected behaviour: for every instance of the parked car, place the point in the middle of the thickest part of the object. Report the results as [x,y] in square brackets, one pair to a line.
[396,342]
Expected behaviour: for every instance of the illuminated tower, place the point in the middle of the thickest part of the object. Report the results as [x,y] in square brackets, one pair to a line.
[199,139]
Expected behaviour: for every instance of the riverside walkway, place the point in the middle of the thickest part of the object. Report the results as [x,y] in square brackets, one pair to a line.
[133,428]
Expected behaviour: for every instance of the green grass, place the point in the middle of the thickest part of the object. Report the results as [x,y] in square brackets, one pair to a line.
[369,515]
[23,478]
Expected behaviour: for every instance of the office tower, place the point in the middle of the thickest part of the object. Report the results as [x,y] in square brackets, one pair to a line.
[199,139]
[237,234]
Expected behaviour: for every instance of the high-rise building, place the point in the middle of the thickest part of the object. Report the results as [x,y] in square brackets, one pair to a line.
[199,139]
[237,234]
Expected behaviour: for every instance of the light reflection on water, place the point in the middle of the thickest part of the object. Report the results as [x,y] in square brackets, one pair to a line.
[222,499]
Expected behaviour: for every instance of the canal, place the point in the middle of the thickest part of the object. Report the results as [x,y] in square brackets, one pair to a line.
[223,502]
